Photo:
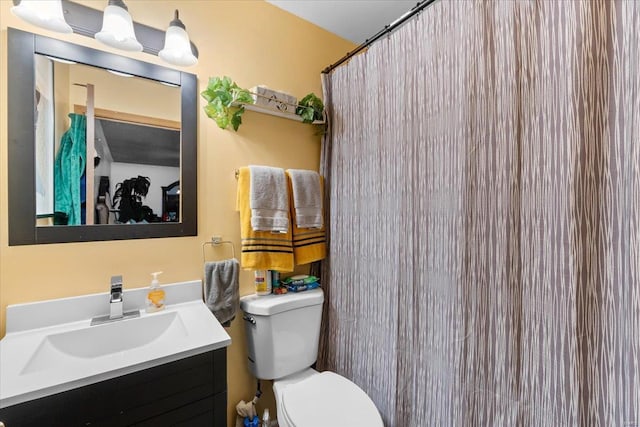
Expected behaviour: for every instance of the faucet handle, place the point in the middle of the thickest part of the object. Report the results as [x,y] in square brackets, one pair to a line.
[116,288]
[116,281]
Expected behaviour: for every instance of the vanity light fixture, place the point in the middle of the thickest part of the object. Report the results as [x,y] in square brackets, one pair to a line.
[117,28]
[45,14]
[177,46]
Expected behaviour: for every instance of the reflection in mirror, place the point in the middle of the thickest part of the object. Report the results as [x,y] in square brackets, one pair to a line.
[51,104]
[136,138]
[171,202]
[45,135]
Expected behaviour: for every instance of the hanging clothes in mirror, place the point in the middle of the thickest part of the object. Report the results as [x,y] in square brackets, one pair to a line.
[69,172]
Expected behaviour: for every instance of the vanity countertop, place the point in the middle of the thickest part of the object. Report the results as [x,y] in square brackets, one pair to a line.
[50,346]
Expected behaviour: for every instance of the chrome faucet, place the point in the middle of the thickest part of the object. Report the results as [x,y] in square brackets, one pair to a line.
[115,302]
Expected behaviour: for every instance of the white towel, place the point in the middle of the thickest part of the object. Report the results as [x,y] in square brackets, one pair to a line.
[268,199]
[221,288]
[307,199]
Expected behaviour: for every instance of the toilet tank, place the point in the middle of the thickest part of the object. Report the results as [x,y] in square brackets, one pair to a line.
[282,332]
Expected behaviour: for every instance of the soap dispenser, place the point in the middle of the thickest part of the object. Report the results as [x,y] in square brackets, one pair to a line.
[155,297]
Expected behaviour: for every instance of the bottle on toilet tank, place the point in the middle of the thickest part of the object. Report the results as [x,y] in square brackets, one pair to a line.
[262,281]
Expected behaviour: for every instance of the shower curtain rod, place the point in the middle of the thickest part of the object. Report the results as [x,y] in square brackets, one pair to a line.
[386,30]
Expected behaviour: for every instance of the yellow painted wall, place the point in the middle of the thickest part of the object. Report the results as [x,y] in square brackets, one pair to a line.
[254,43]
[143,96]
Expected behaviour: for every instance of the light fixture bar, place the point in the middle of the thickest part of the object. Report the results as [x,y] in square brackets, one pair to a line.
[87,22]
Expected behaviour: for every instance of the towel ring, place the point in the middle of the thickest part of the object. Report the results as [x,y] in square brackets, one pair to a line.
[216,241]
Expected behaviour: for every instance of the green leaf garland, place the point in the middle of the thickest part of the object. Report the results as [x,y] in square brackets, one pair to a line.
[221,94]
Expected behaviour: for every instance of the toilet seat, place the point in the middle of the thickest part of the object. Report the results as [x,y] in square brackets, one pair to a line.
[328,400]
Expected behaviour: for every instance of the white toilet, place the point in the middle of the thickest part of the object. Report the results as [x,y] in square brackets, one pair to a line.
[282,335]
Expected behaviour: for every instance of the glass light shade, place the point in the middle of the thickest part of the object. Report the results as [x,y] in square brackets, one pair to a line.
[177,48]
[117,30]
[45,14]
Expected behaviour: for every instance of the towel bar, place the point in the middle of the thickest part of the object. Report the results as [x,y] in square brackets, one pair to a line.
[215,241]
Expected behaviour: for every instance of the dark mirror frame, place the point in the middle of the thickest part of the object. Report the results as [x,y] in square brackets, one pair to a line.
[22,46]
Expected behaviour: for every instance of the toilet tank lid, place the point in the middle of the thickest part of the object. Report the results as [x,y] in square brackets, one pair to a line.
[273,304]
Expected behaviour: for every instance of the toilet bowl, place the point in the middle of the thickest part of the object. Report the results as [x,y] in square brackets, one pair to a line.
[282,345]
[323,399]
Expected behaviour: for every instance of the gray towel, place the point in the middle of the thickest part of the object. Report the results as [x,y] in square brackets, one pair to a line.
[222,292]
[268,199]
[307,198]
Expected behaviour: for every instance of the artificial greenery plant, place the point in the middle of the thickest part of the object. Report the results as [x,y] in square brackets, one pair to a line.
[223,96]
[310,108]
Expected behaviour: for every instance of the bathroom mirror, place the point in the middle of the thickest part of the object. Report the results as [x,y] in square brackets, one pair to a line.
[138,123]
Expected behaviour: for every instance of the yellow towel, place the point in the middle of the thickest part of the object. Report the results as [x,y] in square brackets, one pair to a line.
[261,250]
[309,245]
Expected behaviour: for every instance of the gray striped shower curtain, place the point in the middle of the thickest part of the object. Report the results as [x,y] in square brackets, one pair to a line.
[483,166]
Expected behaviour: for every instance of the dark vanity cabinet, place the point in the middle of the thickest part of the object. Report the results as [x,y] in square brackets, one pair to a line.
[189,392]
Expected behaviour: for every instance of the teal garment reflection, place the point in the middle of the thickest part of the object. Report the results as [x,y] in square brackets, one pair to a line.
[69,168]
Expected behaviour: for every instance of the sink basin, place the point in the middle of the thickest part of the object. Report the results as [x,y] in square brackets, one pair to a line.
[50,347]
[67,348]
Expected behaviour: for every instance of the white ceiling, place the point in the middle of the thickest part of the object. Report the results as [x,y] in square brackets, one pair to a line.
[354,20]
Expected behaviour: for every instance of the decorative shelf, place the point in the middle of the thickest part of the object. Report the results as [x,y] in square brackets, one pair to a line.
[273,112]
